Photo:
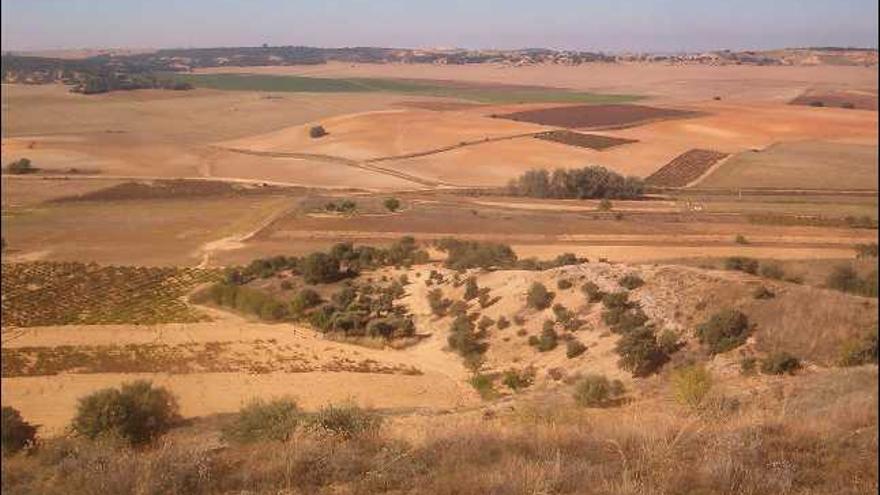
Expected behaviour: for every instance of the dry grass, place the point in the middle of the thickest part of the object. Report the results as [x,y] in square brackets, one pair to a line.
[812,435]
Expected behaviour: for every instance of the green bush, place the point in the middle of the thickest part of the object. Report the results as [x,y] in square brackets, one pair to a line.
[392,204]
[597,391]
[320,268]
[577,183]
[691,385]
[724,331]
[605,205]
[740,239]
[518,379]
[741,264]
[21,166]
[574,348]
[564,284]
[257,421]
[844,278]
[639,352]
[669,341]
[502,323]
[780,363]
[462,255]
[346,421]
[631,281]
[136,412]
[17,433]
[485,323]
[484,385]
[592,292]
[747,366]
[539,297]
[549,339]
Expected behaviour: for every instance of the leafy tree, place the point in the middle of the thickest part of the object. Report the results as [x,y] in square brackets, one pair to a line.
[17,433]
[539,297]
[137,412]
[20,166]
[320,268]
[639,352]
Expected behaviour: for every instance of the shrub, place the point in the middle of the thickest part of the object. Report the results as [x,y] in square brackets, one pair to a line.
[275,420]
[724,331]
[519,320]
[844,278]
[763,292]
[539,297]
[471,290]
[485,323]
[502,323]
[583,183]
[439,305]
[780,363]
[631,281]
[747,366]
[317,131]
[597,391]
[320,268]
[484,299]
[20,166]
[859,351]
[639,352]
[772,270]
[691,384]
[549,339]
[15,433]
[669,341]
[462,255]
[137,412]
[484,386]
[592,292]
[346,421]
[564,284]
[605,205]
[742,264]
[866,250]
[574,348]
[458,308]
[391,204]
[740,239]
[518,379]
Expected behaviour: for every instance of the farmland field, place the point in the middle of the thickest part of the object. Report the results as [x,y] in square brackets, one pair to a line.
[486,93]
[592,141]
[685,168]
[40,293]
[597,116]
[799,165]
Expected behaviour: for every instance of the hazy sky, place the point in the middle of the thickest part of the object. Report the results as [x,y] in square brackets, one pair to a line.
[638,25]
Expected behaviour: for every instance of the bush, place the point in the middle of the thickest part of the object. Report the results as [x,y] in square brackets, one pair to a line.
[740,239]
[439,304]
[21,166]
[856,352]
[346,421]
[866,250]
[17,433]
[605,205]
[691,384]
[539,297]
[763,292]
[484,386]
[724,331]
[780,363]
[741,264]
[518,379]
[583,183]
[597,391]
[548,340]
[471,290]
[502,323]
[320,268]
[391,204]
[574,348]
[772,270]
[631,281]
[844,278]
[317,131]
[639,352]
[275,420]
[669,341]
[564,284]
[462,255]
[592,292]
[136,412]
[747,366]
[485,323]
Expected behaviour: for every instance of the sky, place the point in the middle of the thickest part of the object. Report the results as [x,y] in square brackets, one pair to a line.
[615,25]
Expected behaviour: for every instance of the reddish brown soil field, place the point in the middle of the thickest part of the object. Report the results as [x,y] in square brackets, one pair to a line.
[591,141]
[685,168]
[838,99]
[597,116]
[172,189]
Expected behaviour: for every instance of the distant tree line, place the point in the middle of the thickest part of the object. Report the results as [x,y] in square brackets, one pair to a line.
[582,183]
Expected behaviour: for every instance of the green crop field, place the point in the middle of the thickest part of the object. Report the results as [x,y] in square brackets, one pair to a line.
[478,93]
